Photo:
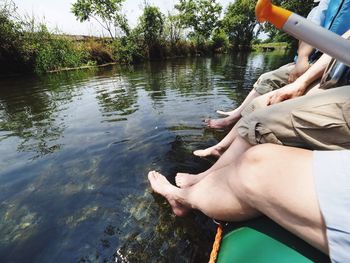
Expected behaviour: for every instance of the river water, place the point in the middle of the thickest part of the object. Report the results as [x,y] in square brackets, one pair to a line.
[76,147]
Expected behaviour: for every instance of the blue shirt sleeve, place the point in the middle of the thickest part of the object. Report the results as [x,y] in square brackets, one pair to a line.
[318,14]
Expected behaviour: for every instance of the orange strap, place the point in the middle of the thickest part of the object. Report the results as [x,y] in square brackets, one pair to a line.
[216,245]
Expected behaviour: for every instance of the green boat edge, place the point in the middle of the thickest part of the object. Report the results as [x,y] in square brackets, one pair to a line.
[263,241]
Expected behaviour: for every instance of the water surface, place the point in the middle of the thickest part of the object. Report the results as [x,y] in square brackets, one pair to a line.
[75,149]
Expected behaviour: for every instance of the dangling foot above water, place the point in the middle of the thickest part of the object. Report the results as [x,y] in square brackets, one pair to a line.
[227,122]
[161,186]
[215,150]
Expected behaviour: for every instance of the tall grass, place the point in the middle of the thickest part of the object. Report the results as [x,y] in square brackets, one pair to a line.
[53,52]
[26,45]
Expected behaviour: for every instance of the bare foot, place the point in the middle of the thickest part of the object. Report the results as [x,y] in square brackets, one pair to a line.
[184,180]
[162,186]
[211,151]
[222,123]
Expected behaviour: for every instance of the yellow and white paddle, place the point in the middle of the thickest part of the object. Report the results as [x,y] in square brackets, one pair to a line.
[304,30]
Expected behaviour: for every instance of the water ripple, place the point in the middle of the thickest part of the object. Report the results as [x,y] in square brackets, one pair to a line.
[76,147]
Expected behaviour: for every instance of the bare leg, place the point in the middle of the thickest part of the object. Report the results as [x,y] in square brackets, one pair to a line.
[284,190]
[237,148]
[218,149]
[233,116]
[206,196]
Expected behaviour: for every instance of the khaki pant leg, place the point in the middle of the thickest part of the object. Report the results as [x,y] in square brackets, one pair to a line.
[273,79]
[258,103]
[317,121]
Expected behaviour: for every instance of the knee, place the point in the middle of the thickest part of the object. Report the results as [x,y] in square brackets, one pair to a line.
[251,181]
[264,84]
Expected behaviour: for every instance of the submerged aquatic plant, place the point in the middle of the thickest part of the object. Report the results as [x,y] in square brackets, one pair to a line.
[151,233]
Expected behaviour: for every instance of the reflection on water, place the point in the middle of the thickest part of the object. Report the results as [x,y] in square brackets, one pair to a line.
[76,147]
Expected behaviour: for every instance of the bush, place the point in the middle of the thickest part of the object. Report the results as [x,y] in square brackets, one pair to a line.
[181,48]
[219,40]
[99,53]
[56,53]
[128,49]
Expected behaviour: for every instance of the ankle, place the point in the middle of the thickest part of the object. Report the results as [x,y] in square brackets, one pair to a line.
[219,148]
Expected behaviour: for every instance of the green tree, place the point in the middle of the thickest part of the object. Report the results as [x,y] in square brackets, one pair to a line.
[129,49]
[200,16]
[173,29]
[152,27]
[239,22]
[296,6]
[107,13]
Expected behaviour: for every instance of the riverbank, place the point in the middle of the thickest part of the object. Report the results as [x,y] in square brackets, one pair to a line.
[82,67]
[275,46]
[32,48]
[43,52]
[70,52]
[28,46]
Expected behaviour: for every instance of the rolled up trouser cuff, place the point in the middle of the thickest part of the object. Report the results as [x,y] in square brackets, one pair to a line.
[255,133]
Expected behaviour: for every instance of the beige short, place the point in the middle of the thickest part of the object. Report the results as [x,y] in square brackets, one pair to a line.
[274,79]
[319,121]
